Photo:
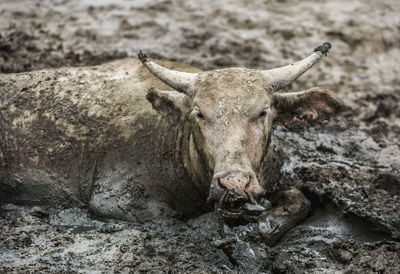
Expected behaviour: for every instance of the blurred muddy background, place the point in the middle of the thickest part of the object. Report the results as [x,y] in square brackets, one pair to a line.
[349,167]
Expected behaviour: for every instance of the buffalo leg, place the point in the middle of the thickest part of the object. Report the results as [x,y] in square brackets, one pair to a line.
[292,207]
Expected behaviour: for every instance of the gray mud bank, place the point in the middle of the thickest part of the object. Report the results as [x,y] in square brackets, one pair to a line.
[349,167]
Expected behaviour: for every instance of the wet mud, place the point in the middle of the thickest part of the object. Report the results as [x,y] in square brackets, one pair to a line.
[349,167]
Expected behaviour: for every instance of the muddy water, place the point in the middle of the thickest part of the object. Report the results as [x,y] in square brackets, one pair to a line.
[349,167]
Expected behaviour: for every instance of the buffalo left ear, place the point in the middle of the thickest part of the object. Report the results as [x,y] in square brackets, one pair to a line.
[171,104]
[298,110]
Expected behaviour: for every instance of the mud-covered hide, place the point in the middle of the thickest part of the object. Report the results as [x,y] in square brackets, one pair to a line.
[73,136]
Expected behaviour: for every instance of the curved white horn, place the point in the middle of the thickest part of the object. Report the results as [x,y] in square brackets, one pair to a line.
[283,76]
[177,80]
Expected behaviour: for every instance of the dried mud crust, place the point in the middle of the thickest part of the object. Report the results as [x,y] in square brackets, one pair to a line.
[352,162]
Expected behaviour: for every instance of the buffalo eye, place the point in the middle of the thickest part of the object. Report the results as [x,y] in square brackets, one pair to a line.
[263,113]
[200,115]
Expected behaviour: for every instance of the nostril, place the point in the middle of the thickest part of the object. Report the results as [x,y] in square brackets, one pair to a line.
[247,186]
[220,185]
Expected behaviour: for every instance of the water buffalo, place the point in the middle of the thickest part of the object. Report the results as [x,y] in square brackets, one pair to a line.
[88,136]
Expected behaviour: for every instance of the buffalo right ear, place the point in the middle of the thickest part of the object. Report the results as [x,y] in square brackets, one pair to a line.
[298,110]
[171,104]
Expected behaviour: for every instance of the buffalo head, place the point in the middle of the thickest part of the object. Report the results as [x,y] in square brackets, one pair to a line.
[230,114]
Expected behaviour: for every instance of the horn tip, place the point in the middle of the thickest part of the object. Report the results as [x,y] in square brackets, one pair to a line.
[142,56]
[324,48]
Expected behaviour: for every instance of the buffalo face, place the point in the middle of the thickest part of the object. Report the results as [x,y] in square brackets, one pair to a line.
[229,114]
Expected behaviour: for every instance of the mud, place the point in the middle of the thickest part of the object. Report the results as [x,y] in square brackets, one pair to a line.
[349,168]
[70,240]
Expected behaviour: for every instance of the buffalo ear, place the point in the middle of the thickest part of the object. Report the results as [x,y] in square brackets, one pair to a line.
[171,104]
[298,110]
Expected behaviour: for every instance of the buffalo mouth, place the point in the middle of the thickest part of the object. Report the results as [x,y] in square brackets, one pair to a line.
[238,207]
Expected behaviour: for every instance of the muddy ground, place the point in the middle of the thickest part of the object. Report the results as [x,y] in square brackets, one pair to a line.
[349,167]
